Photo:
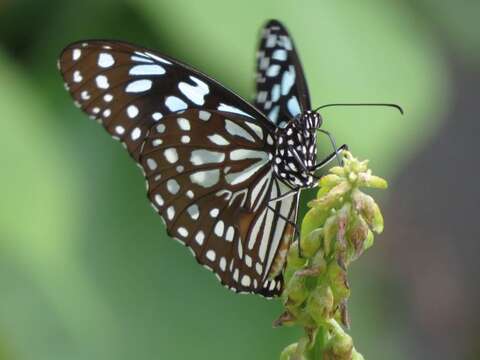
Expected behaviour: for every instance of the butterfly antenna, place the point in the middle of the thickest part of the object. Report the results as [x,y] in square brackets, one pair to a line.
[332,140]
[398,107]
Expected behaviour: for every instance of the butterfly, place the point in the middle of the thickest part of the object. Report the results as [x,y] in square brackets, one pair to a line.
[223,174]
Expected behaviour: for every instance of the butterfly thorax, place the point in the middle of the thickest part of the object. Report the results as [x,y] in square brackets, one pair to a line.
[296,150]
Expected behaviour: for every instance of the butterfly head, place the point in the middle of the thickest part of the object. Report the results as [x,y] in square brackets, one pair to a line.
[296,151]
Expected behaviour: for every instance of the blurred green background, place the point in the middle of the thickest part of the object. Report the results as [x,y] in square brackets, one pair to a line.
[86,269]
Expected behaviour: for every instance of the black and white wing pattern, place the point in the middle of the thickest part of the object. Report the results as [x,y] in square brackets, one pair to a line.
[206,153]
[281,88]
[128,88]
[210,178]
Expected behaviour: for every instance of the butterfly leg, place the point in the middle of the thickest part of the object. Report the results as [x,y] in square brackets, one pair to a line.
[329,158]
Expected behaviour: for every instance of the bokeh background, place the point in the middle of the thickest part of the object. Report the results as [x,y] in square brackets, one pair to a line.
[86,270]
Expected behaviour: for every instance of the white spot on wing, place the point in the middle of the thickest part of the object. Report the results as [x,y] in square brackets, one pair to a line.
[195,94]
[157,116]
[256,129]
[141,58]
[170,213]
[218,139]
[241,154]
[184,124]
[158,58]
[219,228]
[245,280]
[204,115]
[200,237]
[273,70]
[120,130]
[232,109]
[173,186]
[76,53]
[108,97]
[152,69]
[171,155]
[159,200]
[206,178]
[293,106]
[136,133]
[280,55]
[193,211]
[201,157]
[182,231]
[235,129]
[151,163]
[77,76]
[102,82]
[276,92]
[223,263]
[139,86]
[175,104]
[132,111]
[288,79]
[230,233]
[273,114]
[211,255]
[105,60]
[85,95]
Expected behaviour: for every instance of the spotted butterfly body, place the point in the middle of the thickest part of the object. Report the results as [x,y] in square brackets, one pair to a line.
[223,176]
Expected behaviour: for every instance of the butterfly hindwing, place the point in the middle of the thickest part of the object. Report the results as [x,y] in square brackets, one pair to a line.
[281,88]
[210,178]
[129,88]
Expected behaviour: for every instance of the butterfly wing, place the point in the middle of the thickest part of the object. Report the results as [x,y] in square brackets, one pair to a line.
[281,88]
[225,161]
[128,88]
[210,177]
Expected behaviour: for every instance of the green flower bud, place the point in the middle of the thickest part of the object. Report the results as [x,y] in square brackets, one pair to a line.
[293,257]
[337,170]
[329,200]
[318,262]
[357,234]
[342,222]
[314,217]
[311,242]
[369,209]
[329,181]
[338,282]
[329,233]
[296,291]
[366,179]
[352,177]
[340,347]
[320,303]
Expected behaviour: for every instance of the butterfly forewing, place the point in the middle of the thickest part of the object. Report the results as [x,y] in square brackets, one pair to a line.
[128,88]
[210,178]
[282,91]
